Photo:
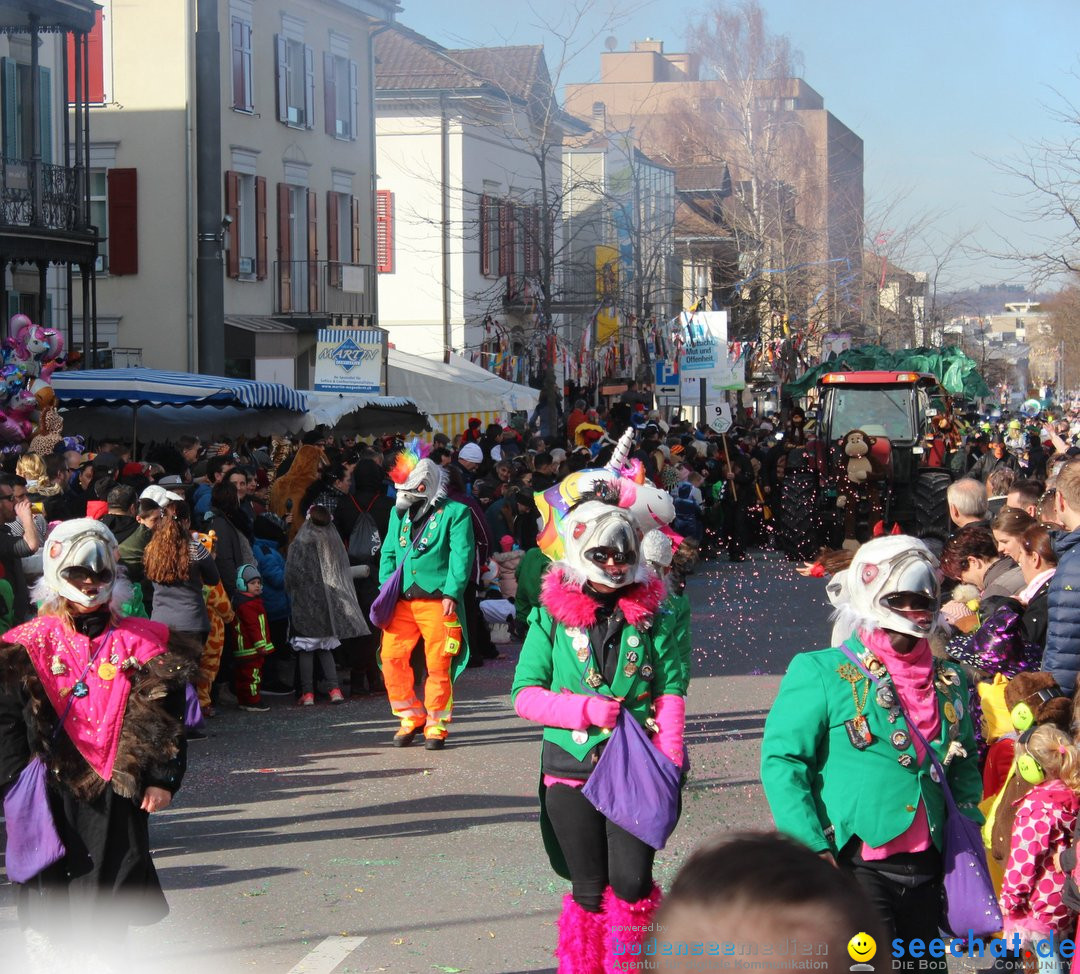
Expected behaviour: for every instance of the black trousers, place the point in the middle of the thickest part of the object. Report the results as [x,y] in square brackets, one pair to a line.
[906,891]
[598,852]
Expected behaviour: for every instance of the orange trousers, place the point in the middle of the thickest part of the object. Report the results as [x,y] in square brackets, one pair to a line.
[413,619]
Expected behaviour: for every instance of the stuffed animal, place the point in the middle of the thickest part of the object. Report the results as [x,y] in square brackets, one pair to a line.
[856,447]
[857,493]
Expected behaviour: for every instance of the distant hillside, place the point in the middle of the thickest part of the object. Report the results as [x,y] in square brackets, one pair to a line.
[988,298]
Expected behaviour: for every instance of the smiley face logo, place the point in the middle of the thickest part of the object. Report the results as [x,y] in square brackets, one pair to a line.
[861,948]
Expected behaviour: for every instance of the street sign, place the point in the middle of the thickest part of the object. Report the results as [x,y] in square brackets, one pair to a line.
[667,378]
[721,419]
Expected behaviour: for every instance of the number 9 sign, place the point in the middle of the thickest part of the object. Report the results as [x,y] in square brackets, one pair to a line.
[721,418]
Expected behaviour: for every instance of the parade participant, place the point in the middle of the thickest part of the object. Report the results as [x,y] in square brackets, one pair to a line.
[599,643]
[323,605]
[431,539]
[98,698]
[253,643]
[847,722]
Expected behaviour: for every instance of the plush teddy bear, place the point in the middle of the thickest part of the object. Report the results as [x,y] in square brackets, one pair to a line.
[856,446]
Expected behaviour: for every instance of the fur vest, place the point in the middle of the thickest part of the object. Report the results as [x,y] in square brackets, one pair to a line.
[150,737]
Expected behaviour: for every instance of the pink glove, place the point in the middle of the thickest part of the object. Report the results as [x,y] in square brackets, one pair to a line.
[671,718]
[568,710]
[602,711]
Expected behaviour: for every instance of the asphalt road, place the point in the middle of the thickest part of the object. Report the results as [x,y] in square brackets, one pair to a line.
[303,842]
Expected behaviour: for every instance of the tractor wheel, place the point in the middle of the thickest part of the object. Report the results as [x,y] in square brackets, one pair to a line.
[931,504]
[801,513]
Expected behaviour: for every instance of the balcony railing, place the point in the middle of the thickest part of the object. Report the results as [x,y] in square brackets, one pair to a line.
[323,287]
[40,195]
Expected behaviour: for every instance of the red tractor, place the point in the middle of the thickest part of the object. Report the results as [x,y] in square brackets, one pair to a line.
[896,472]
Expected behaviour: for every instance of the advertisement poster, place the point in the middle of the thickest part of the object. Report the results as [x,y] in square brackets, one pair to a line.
[350,360]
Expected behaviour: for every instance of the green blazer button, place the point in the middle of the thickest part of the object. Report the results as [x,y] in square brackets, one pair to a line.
[909,808]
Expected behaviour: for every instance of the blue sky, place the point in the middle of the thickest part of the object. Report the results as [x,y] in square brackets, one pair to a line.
[933,87]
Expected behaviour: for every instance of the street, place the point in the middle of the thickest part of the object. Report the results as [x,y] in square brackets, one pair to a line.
[302,841]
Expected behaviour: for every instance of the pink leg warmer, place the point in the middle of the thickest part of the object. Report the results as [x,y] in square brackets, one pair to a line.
[581,939]
[629,926]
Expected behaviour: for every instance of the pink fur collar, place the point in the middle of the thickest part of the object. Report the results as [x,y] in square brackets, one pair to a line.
[568,604]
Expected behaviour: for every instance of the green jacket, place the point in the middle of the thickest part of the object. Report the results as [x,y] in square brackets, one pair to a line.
[549,660]
[816,780]
[529,574]
[443,557]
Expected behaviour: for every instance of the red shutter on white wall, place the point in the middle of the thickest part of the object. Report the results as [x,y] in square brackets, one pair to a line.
[530,244]
[384,231]
[506,239]
[95,62]
[123,216]
[260,228]
[485,236]
[232,233]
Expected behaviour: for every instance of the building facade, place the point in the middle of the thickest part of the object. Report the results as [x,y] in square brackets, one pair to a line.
[48,225]
[297,235]
[469,163]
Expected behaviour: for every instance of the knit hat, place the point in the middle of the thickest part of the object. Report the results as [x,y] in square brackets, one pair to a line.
[471,452]
[506,542]
[246,575]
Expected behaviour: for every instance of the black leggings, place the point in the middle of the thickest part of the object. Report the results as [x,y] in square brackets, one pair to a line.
[598,852]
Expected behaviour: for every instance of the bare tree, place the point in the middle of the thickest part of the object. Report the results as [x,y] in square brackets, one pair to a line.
[1047,174]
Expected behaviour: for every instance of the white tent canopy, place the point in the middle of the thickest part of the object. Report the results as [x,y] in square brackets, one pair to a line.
[455,387]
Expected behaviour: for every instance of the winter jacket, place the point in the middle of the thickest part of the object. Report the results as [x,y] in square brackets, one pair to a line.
[1062,654]
[271,566]
[252,629]
[508,562]
[1031,890]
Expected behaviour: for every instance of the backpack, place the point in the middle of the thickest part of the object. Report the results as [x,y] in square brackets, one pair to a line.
[364,539]
[687,513]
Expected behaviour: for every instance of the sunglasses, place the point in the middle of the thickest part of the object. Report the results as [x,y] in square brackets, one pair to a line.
[603,555]
[79,576]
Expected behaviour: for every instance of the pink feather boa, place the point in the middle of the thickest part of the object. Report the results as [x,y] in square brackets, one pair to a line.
[571,606]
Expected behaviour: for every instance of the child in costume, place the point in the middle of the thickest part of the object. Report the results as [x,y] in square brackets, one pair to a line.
[100,699]
[598,643]
[323,602]
[253,643]
[1031,902]
[219,608]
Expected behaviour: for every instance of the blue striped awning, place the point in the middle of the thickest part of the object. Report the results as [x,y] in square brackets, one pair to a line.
[151,387]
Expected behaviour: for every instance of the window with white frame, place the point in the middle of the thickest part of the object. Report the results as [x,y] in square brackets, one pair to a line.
[99,216]
[245,228]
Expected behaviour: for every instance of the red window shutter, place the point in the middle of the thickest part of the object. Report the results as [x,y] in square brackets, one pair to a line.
[284,249]
[123,214]
[384,231]
[232,233]
[485,236]
[260,228]
[96,59]
[329,93]
[313,249]
[355,214]
[528,228]
[506,239]
[332,228]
